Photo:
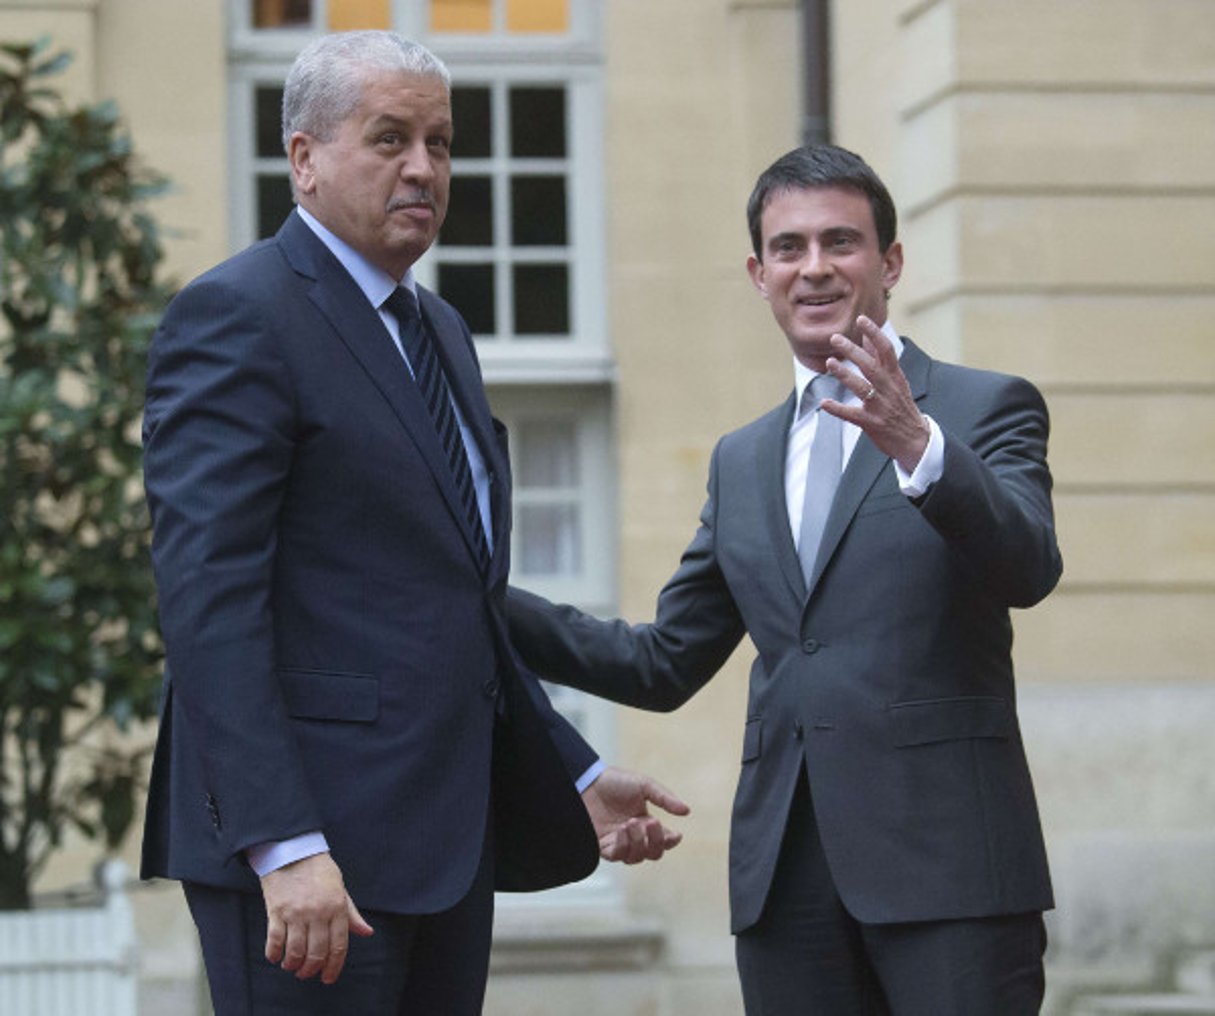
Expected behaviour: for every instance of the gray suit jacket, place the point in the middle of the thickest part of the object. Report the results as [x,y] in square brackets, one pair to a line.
[890,679]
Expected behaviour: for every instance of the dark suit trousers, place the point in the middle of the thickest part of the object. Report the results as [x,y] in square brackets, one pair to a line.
[412,966]
[807,956]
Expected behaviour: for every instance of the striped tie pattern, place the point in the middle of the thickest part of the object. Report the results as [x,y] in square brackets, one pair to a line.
[427,371]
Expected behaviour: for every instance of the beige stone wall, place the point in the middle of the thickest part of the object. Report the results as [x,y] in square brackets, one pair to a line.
[1053,164]
[1056,166]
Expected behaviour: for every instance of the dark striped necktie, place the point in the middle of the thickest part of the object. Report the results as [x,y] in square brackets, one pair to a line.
[428,372]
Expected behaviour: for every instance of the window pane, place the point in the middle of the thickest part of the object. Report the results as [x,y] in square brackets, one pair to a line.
[537,123]
[470,213]
[460,16]
[268,112]
[537,16]
[282,13]
[470,289]
[470,112]
[274,203]
[549,539]
[547,453]
[348,15]
[537,210]
[541,300]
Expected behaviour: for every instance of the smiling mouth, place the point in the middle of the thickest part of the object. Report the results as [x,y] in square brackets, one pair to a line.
[817,301]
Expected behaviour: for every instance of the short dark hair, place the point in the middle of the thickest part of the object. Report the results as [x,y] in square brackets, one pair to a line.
[822,166]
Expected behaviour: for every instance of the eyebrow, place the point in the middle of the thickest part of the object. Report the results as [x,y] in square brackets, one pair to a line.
[382,120]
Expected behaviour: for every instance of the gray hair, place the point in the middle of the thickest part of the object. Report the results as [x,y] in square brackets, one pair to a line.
[326,81]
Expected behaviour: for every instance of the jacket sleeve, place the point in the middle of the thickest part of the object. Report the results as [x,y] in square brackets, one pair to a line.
[656,666]
[218,444]
[992,503]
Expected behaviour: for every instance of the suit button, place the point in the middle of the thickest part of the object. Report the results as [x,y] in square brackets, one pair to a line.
[213,811]
[491,688]
[810,646]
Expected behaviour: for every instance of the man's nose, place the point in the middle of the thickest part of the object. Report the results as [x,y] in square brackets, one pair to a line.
[417,165]
[815,264]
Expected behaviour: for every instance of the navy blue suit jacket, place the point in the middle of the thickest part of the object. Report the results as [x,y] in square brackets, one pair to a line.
[889,679]
[336,659]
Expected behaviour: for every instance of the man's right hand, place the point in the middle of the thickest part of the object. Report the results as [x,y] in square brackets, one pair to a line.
[309,917]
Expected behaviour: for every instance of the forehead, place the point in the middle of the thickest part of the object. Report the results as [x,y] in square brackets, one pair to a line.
[403,94]
[816,210]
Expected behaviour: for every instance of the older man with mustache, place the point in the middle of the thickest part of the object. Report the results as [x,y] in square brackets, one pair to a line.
[349,745]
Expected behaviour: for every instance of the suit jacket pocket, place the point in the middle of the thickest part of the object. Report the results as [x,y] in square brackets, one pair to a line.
[935,720]
[327,695]
[753,739]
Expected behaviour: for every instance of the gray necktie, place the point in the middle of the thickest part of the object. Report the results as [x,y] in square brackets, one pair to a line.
[823,472]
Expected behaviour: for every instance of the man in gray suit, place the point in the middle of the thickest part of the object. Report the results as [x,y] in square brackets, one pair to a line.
[870,534]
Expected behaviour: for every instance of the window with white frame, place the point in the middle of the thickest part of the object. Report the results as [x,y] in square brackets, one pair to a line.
[520,253]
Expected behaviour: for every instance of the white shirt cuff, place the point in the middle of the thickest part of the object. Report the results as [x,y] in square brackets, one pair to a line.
[591,775]
[930,467]
[264,858]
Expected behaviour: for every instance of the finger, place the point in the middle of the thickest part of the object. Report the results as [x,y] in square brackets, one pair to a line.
[611,845]
[316,952]
[655,841]
[355,920]
[845,349]
[671,838]
[276,934]
[338,943]
[876,342]
[657,794]
[647,840]
[295,948]
[858,384]
[637,848]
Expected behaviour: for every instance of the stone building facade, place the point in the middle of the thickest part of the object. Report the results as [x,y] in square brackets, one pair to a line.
[1054,165]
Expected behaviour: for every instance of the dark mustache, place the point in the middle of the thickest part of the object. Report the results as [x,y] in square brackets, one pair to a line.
[417,197]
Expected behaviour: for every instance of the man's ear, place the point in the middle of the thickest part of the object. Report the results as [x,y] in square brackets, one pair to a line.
[755,268]
[301,154]
[892,265]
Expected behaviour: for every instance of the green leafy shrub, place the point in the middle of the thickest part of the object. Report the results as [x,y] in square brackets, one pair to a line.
[80,652]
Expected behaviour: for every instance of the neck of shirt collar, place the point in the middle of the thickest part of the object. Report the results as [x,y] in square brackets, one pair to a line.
[375,283]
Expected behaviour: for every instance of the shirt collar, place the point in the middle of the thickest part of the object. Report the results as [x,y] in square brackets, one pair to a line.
[376,284]
[803,375]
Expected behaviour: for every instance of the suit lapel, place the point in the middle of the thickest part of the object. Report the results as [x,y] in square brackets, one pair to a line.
[358,325]
[773,442]
[864,467]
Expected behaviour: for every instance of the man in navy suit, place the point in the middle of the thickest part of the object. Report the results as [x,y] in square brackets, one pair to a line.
[870,535]
[349,745]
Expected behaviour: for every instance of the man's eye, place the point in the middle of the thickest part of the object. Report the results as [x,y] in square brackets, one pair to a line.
[389,138]
[441,143]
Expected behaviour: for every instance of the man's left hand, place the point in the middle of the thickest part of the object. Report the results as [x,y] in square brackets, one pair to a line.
[617,804]
[887,413]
